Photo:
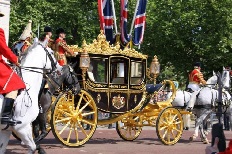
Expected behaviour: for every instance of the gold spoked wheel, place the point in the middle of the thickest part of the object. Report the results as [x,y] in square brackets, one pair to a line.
[169,126]
[71,115]
[128,128]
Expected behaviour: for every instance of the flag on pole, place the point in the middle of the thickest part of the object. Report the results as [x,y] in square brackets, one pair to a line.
[106,18]
[139,23]
[125,38]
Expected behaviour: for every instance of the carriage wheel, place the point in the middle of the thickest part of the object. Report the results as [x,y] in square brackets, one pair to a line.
[128,128]
[169,126]
[70,115]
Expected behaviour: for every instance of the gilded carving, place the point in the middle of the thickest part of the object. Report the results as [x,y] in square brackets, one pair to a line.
[98,98]
[141,87]
[96,85]
[97,90]
[101,46]
[135,98]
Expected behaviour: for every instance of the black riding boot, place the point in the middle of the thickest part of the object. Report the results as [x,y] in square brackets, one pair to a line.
[7,112]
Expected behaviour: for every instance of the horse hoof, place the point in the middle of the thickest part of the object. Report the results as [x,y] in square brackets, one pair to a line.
[186,128]
[205,141]
[206,133]
[191,139]
[42,151]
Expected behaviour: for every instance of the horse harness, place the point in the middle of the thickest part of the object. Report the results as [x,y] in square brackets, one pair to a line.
[34,69]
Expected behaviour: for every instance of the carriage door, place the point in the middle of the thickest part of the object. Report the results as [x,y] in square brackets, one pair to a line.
[118,84]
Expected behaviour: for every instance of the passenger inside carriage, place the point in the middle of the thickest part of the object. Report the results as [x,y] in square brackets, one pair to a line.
[97,70]
[90,72]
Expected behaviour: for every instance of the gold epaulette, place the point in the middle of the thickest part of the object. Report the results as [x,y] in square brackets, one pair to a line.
[65,47]
[27,43]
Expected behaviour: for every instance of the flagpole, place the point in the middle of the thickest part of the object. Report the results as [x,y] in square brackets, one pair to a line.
[132,24]
[115,24]
[38,31]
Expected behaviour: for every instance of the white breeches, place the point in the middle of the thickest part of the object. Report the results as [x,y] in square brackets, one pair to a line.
[194,86]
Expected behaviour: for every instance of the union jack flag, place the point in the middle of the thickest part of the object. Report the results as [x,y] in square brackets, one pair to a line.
[106,18]
[125,38]
[140,22]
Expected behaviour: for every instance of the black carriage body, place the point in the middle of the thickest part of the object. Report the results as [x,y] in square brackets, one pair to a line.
[116,82]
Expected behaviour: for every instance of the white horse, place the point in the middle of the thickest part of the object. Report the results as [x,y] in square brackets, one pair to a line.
[26,104]
[205,100]
[183,97]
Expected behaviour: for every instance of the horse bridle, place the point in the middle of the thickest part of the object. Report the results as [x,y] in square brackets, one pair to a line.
[55,83]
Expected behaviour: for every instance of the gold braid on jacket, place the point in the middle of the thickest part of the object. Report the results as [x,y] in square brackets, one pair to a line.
[27,43]
[200,76]
[66,48]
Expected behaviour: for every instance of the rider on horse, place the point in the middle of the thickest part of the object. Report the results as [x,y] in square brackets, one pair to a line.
[10,82]
[25,40]
[196,78]
[47,43]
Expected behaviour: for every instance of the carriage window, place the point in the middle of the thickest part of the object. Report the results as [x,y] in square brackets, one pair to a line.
[136,72]
[118,71]
[97,70]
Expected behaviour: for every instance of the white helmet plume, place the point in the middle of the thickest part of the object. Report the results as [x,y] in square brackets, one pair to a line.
[27,31]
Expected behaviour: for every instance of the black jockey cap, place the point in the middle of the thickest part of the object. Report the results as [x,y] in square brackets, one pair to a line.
[60,30]
[197,64]
[47,29]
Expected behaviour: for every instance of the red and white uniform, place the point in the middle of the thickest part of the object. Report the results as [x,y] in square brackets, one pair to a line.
[15,81]
[62,50]
[196,78]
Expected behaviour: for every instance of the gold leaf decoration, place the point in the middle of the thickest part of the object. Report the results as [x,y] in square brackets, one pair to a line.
[101,46]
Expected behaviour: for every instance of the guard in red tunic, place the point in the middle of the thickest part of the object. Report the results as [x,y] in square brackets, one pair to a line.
[61,48]
[24,42]
[196,78]
[10,82]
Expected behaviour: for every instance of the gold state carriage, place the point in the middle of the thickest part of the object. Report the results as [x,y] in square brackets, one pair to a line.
[115,81]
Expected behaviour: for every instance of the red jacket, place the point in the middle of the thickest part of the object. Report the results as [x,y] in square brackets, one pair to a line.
[196,77]
[15,81]
[62,50]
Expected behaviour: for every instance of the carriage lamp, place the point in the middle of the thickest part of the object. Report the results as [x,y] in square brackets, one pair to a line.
[84,64]
[155,68]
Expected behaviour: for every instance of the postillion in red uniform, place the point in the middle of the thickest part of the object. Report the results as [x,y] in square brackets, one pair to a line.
[196,77]
[62,49]
[15,82]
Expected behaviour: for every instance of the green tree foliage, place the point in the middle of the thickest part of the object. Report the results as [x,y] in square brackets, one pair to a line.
[78,18]
[182,32]
[179,32]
